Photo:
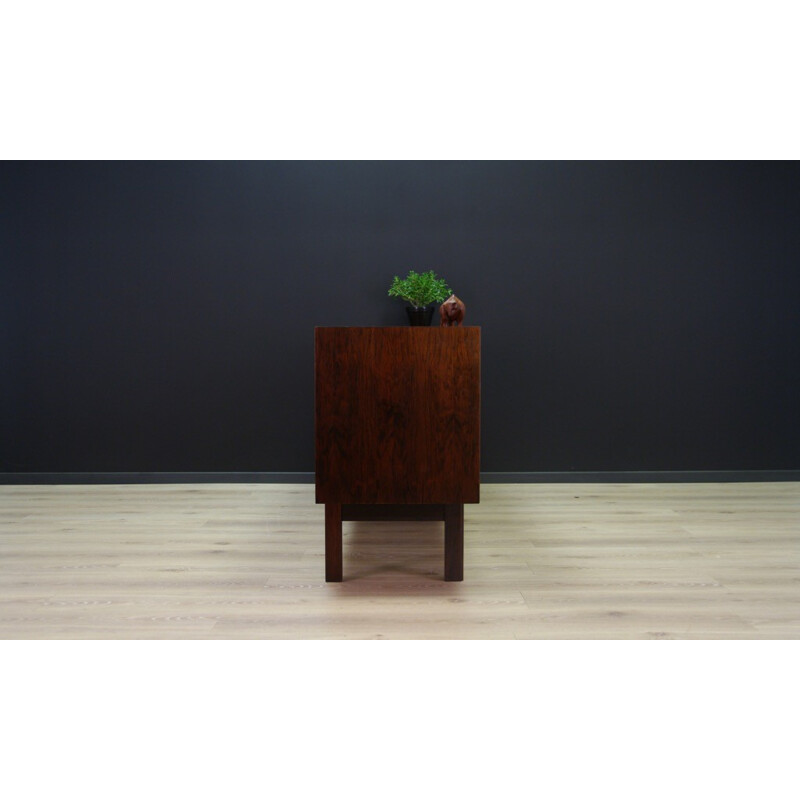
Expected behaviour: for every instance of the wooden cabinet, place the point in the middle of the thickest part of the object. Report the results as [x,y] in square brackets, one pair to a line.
[397,430]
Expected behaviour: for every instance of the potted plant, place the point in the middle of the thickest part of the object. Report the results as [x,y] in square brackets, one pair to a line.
[420,291]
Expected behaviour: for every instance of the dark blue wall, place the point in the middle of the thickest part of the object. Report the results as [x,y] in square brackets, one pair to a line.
[636,316]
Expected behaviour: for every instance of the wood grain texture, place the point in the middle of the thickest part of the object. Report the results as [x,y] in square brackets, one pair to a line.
[557,561]
[454,542]
[397,415]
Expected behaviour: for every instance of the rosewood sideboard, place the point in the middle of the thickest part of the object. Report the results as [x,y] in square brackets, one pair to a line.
[397,431]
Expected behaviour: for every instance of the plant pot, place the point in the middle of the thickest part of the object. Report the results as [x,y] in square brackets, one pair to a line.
[419,316]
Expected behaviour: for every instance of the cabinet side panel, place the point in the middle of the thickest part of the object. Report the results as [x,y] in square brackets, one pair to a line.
[397,415]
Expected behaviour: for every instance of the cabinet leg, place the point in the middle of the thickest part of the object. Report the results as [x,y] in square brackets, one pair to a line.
[454,542]
[333,542]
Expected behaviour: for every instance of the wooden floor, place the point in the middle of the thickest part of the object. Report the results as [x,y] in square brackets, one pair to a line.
[557,561]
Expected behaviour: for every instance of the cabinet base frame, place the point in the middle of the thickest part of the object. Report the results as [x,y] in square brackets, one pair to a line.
[452,514]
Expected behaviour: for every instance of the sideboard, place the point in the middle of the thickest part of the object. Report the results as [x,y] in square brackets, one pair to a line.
[397,430]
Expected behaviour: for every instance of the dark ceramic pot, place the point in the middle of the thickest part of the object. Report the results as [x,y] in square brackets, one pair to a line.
[419,316]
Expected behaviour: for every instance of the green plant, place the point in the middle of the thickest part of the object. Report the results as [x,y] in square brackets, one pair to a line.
[420,289]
